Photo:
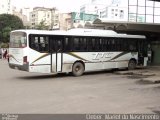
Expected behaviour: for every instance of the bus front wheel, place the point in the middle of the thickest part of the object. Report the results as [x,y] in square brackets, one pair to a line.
[131,65]
[78,69]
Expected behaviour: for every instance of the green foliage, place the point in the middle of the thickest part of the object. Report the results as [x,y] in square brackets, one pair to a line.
[42,26]
[7,24]
[4,45]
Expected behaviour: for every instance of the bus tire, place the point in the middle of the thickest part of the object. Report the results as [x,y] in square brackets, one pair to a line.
[77,69]
[131,65]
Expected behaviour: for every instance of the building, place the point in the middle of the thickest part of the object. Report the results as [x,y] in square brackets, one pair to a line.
[115,13]
[26,11]
[111,10]
[95,6]
[65,21]
[76,20]
[92,8]
[82,20]
[50,17]
[22,16]
[5,7]
[144,11]
[143,19]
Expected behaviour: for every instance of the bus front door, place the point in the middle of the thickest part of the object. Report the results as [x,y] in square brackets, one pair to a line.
[56,54]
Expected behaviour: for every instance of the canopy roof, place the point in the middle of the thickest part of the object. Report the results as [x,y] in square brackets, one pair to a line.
[132,27]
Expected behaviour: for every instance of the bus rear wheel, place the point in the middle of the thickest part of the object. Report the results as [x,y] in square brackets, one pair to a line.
[131,65]
[77,69]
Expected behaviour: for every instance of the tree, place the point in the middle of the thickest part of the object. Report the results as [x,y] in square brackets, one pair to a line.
[7,24]
[42,26]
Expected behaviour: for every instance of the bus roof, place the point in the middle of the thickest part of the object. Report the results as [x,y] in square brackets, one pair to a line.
[81,32]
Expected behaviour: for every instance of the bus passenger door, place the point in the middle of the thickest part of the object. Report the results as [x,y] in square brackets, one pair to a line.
[56,54]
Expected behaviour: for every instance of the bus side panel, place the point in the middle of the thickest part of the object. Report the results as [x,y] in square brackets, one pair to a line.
[98,60]
[92,60]
[122,61]
[16,56]
[39,62]
[94,66]
[86,57]
[68,61]
[122,64]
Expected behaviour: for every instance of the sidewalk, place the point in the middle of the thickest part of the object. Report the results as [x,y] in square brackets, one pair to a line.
[151,74]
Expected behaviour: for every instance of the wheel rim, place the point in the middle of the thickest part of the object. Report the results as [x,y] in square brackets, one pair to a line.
[77,68]
[131,64]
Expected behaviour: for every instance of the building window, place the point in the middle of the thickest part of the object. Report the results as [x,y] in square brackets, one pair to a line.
[141,2]
[39,43]
[149,3]
[149,18]
[141,10]
[132,2]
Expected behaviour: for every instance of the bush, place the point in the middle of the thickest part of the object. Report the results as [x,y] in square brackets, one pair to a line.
[4,45]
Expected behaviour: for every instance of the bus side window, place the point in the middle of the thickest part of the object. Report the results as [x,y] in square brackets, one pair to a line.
[80,44]
[66,44]
[43,44]
[100,44]
[38,43]
[113,44]
[132,45]
[97,44]
[125,45]
[59,45]
[118,45]
[52,44]
[93,44]
[33,42]
[104,44]
[89,44]
[76,42]
[84,44]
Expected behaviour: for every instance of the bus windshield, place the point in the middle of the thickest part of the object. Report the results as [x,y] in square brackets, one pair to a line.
[18,40]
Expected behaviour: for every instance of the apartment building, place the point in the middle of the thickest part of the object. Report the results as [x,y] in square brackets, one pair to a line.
[50,17]
[5,7]
[110,10]
[92,8]
[114,13]
[65,21]
[20,13]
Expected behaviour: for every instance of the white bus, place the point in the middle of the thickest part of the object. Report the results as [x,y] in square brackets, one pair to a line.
[76,51]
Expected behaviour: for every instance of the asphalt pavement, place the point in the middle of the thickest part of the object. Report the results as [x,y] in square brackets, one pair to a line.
[96,92]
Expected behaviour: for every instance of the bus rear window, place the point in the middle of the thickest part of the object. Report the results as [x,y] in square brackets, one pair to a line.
[18,40]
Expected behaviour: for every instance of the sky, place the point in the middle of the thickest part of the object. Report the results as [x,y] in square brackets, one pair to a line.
[62,5]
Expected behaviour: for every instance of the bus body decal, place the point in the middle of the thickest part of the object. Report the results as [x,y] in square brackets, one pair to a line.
[76,56]
[119,55]
[11,56]
[44,55]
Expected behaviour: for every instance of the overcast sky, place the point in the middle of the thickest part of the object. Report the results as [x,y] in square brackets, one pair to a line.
[62,5]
